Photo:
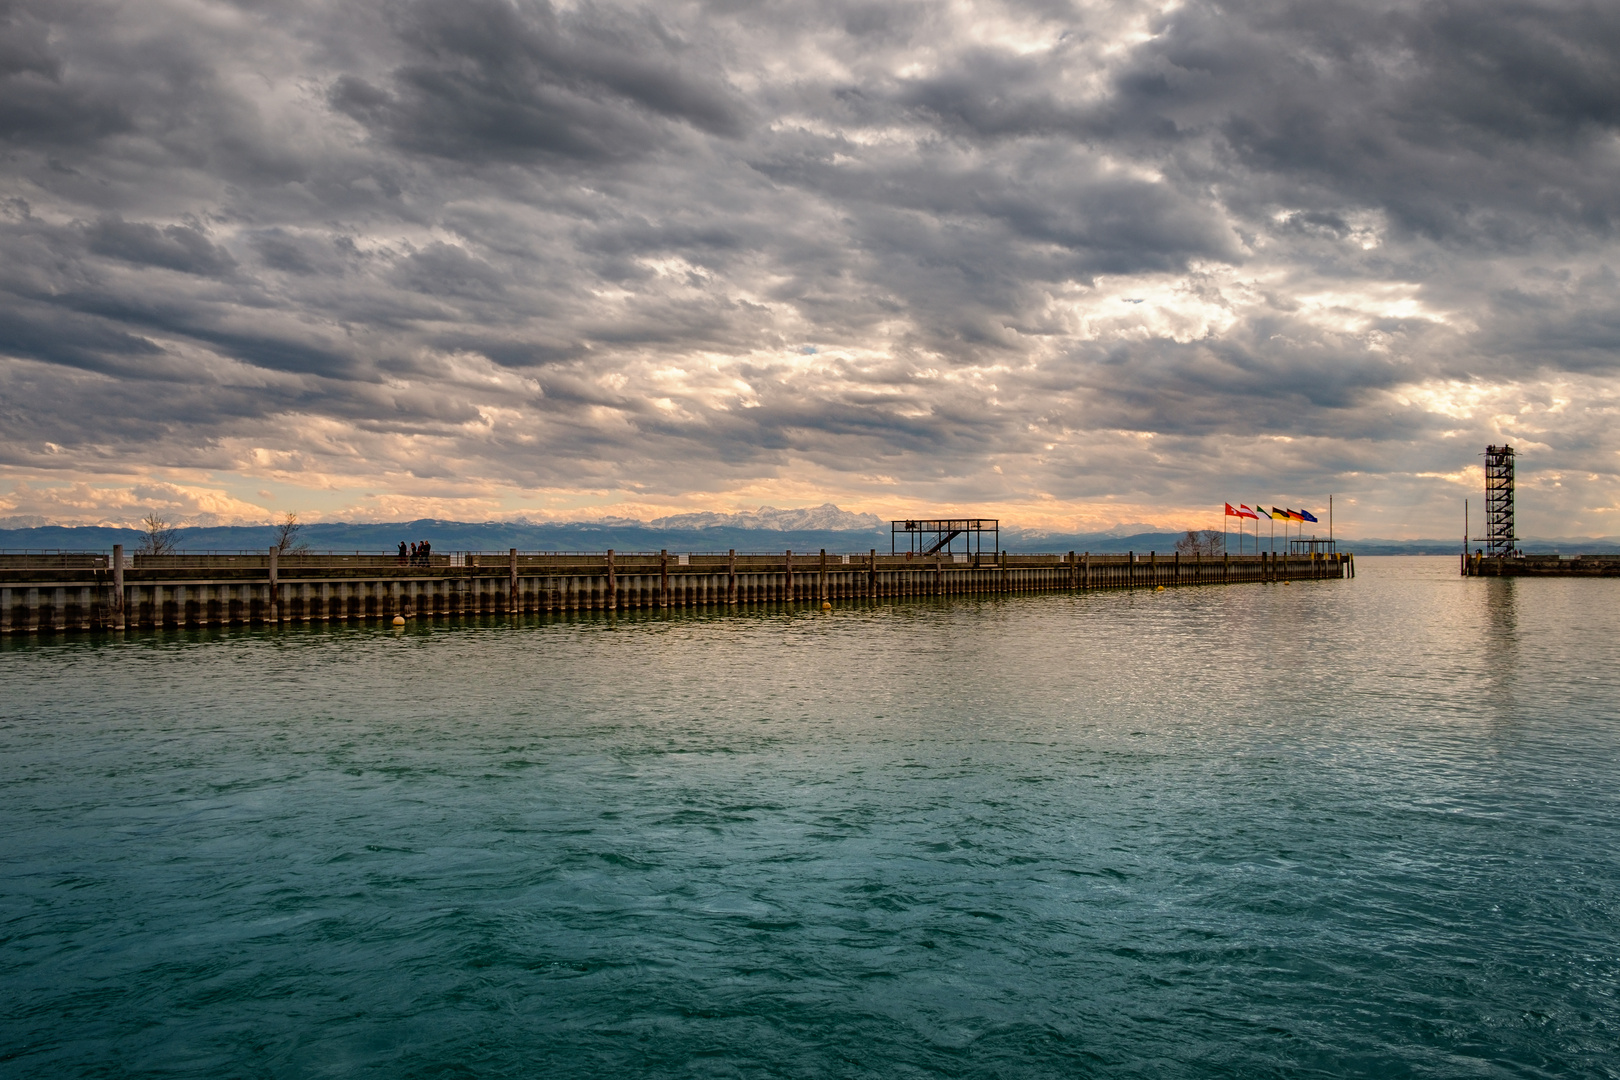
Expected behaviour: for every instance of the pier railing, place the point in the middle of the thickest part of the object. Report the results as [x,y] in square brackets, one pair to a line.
[294,564]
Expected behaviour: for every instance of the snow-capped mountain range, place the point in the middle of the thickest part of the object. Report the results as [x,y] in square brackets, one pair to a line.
[825,517]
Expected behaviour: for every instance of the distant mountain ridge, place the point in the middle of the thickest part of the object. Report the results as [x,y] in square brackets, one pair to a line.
[768,528]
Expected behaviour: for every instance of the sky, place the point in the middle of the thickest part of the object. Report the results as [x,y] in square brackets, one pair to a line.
[1077,265]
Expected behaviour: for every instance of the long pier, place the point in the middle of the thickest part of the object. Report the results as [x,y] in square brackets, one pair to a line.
[78,591]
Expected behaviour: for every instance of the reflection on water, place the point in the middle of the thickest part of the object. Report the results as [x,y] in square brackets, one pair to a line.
[1351,827]
[1499,638]
[1501,610]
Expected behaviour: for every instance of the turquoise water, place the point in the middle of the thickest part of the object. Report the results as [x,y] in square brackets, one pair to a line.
[1359,828]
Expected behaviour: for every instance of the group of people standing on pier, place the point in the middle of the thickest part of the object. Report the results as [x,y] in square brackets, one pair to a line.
[417,555]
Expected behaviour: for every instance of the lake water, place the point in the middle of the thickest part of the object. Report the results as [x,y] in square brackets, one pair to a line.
[1359,828]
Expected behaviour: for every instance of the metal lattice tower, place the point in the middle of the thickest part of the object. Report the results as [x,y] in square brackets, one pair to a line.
[1499,538]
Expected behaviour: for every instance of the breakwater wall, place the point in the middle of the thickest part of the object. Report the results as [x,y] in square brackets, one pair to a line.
[67,591]
[1480,565]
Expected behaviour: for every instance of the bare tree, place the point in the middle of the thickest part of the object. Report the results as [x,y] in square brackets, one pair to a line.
[1202,542]
[287,541]
[159,536]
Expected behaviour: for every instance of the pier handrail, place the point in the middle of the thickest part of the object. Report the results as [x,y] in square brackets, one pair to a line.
[456,561]
[46,558]
[503,552]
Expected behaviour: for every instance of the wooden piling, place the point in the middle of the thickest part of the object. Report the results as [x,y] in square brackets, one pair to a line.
[513,604]
[117,598]
[275,585]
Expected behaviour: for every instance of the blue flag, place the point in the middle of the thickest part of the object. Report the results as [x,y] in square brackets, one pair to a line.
[1307,515]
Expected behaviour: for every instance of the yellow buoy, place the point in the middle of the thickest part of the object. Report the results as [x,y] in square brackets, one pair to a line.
[1288,583]
[399,620]
[1159,589]
[826,605]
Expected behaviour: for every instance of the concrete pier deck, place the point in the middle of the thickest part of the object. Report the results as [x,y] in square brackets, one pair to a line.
[81,591]
[1480,565]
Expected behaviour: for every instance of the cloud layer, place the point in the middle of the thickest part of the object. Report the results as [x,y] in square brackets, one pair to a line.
[1068,263]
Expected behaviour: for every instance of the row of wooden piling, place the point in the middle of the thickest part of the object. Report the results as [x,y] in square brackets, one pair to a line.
[118,593]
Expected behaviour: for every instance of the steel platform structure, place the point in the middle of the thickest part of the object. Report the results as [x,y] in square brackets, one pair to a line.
[938,536]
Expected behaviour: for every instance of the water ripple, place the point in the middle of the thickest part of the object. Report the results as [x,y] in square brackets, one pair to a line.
[1352,828]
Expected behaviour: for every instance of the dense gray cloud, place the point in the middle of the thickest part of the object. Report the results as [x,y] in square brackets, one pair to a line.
[1077,262]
